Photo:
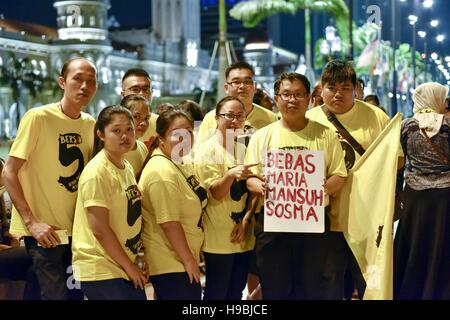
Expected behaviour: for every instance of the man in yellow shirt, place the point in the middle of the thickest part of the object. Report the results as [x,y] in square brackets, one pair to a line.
[240,84]
[290,264]
[138,81]
[53,144]
[364,123]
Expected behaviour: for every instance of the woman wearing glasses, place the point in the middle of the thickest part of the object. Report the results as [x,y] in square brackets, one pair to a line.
[139,107]
[228,224]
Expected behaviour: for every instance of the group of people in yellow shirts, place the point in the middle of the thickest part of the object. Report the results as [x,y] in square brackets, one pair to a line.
[90,195]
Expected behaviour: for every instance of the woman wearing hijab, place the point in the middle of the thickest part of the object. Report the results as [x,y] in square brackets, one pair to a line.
[422,241]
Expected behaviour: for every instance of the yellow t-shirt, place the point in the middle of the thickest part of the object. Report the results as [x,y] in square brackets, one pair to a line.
[258,118]
[313,137]
[56,149]
[104,185]
[151,130]
[364,122]
[137,156]
[168,197]
[212,162]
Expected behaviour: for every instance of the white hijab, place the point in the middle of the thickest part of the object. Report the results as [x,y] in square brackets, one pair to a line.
[428,100]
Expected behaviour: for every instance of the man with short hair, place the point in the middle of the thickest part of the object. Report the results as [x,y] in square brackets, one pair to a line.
[239,83]
[53,144]
[290,264]
[364,123]
[138,81]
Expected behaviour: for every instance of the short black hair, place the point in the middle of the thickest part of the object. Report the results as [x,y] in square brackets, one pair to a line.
[291,76]
[65,67]
[363,84]
[225,100]
[372,97]
[136,72]
[128,101]
[239,65]
[338,71]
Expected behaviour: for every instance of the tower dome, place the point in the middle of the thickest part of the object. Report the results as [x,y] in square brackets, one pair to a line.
[82,20]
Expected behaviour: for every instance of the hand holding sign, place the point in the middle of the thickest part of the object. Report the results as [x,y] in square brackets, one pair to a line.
[242,171]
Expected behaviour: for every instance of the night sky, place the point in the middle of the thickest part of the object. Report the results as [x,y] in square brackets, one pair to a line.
[137,13]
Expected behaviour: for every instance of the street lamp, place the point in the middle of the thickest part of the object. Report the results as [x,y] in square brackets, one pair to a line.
[332,43]
[428,3]
[413,20]
[434,23]
[440,37]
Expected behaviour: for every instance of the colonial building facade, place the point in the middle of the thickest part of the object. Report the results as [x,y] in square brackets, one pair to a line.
[31,56]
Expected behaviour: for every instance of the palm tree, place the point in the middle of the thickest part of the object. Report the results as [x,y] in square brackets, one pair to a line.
[252,12]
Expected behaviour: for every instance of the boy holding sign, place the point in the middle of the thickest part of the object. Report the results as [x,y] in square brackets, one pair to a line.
[291,153]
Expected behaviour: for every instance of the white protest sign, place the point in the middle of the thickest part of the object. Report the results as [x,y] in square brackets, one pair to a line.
[294,199]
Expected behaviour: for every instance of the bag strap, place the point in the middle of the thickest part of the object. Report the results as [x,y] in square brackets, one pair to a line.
[200,189]
[342,131]
[440,154]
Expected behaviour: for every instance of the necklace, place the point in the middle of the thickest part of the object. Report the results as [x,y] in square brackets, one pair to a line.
[61,107]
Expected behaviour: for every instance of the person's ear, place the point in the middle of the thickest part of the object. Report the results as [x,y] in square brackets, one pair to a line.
[101,135]
[61,82]
[226,88]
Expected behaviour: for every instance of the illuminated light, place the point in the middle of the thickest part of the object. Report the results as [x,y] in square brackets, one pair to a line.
[191,54]
[257,46]
[412,19]
[440,38]
[434,23]
[434,56]
[391,95]
[422,34]
[428,3]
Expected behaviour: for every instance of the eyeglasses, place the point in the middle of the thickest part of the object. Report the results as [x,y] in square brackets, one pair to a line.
[297,96]
[238,83]
[137,89]
[343,90]
[231,117]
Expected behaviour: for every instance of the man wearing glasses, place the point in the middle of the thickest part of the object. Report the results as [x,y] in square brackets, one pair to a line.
[240,84]
[290,264]
[364,123]
[137,81]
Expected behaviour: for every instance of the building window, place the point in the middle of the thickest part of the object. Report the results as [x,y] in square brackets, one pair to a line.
[92,21]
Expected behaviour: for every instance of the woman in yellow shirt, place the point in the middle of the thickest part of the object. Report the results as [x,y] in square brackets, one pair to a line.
[172,206]
[228,225]
[108,220]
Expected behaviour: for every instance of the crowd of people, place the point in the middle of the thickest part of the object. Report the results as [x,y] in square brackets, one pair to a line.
[93,196]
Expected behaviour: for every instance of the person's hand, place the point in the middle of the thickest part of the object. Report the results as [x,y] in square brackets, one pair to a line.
[44,234]
[325,189]
[241,171]
[237,235]
[192,270]
[14,240]
[261,187]
[137,276]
